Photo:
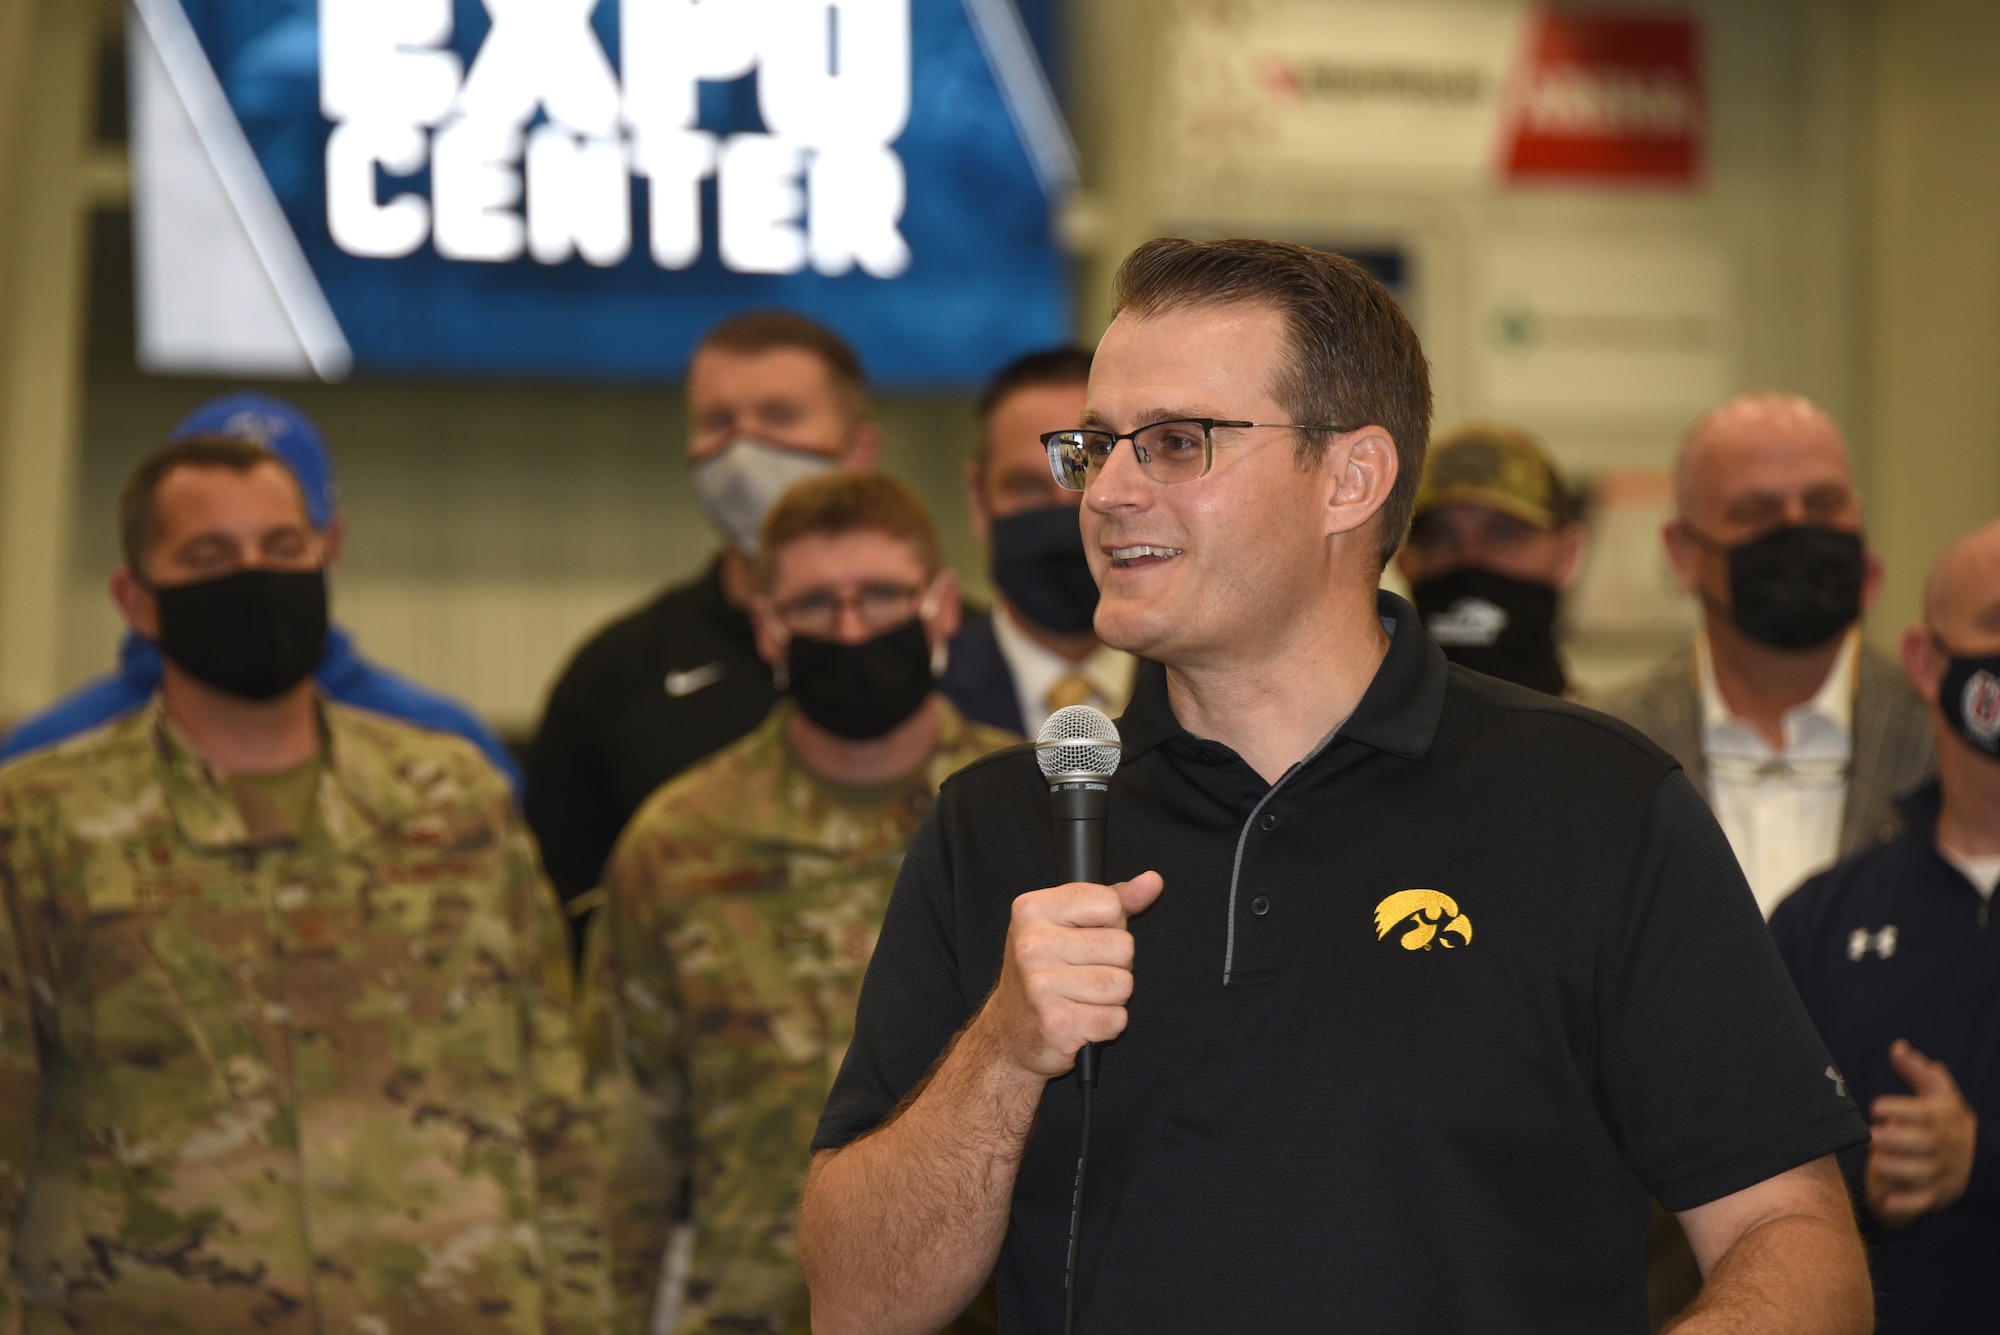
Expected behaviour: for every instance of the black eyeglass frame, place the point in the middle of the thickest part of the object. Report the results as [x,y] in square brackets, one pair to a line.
[1052,441]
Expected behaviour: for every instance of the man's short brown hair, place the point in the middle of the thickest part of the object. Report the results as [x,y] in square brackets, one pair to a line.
[139,516]
[763,331]
[847,503]
[1354,359]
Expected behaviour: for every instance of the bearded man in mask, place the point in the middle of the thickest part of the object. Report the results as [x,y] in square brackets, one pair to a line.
[1894,959]
[1493,544]
[285,1031]
[1036,652]
[1799,734]
[743,901]
[773,398]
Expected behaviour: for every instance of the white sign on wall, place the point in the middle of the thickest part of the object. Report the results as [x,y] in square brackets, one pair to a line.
[1308,85]
[1588,325]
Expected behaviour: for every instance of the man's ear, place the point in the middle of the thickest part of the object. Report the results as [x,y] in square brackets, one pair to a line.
[975,500]
[1569,554]
[948,609]
[1682,555]
[135,603]
[863,450]
[1921,663]
[334,538]
[1363,467]
[771,637]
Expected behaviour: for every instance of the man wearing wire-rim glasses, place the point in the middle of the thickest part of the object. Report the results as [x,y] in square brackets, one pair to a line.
[1412,985]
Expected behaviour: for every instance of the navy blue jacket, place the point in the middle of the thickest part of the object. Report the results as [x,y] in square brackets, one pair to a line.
[977,679]
[1892,944]
[343,674]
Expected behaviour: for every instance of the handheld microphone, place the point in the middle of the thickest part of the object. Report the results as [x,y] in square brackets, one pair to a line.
[1078,751]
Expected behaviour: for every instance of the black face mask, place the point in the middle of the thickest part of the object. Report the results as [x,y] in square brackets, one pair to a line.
[859,691]
[256,633]
[1038,562]
[1496,624]
[1796,588]
[1969,696]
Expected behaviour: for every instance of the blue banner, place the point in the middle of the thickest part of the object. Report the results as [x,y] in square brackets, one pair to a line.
[580,188]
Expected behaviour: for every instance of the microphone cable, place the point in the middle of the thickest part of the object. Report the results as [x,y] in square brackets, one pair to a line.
[1086,1082]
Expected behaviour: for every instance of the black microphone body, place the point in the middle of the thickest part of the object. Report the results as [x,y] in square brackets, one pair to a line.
[1079,806]
[1077,752]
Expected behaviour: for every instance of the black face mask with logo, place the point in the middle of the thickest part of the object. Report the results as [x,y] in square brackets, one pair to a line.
[1496,624]
[1969,698]
[861,691]
[255,634]
[1796,588]
[1039,563]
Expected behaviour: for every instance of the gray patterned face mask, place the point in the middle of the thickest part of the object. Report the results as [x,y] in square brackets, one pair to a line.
[740,483]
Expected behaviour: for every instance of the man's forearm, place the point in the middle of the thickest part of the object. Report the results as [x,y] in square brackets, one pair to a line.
[1794,1275]
[899,1229]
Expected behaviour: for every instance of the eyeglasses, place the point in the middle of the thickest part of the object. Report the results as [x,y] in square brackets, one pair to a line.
[879,606]
[1168,452]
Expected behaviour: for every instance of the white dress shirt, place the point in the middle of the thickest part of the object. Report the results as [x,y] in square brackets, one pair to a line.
[1037,669]
[1983,872]
[1781,809]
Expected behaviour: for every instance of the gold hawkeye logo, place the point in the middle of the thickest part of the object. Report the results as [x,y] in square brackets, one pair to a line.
[1437,920]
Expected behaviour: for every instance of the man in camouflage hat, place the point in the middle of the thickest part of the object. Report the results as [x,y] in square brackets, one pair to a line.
[285,1043]
[743,901]
[1494,541]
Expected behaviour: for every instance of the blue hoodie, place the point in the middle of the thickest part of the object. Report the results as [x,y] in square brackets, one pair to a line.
[344,675]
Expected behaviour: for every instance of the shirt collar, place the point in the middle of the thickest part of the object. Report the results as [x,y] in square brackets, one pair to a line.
[1397,714]
[359,793]
[1037,668]
[1832,705]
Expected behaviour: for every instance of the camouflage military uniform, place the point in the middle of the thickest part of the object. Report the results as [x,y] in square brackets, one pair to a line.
[322,1084]
[743,903]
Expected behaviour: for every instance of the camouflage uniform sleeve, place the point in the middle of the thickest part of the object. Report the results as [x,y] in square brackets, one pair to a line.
[20,1058]
[564,1129]
[632,1021]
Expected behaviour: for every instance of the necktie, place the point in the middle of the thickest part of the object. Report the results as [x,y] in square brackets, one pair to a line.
[1074,689]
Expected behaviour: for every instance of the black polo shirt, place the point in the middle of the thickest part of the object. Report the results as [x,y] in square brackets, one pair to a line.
[1896,943]
[1415,1030]
[645,698]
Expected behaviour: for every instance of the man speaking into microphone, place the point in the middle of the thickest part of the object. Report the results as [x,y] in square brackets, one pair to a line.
[1412,986]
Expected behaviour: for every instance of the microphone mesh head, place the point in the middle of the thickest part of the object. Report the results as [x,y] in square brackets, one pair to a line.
[1077,742]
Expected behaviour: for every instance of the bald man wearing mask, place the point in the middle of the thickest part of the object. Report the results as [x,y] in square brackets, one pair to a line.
[1800,735]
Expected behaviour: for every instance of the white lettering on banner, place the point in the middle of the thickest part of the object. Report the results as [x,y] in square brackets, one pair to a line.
[1581,100]
[579,198]
[474,184]
[361,225]
[824,187]
[674,162]
[542,53]
[375,61]
[758,204]
[667,47]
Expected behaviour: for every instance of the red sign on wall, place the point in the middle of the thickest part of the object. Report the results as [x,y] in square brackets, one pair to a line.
[1609,97]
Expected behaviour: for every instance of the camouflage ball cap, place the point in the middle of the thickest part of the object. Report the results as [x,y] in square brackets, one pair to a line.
[1496,467]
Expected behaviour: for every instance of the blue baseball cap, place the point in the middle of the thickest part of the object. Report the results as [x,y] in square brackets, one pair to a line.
[279,428]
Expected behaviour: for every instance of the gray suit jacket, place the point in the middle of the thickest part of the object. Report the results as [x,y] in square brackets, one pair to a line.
[1892,737]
